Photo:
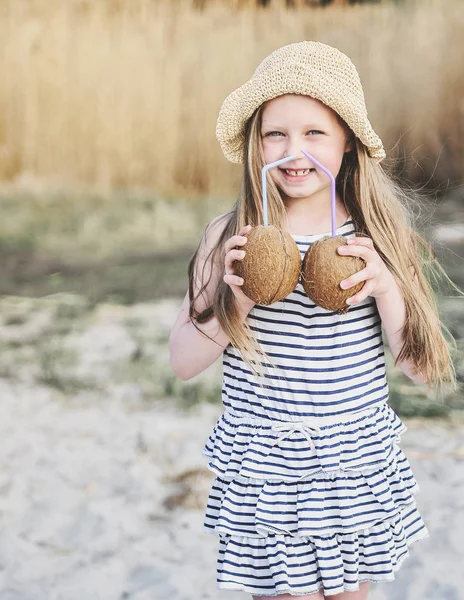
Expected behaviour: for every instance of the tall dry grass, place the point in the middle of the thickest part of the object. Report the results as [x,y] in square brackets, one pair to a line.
[125,93]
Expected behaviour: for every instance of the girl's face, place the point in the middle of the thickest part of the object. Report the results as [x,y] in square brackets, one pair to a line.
[292,123]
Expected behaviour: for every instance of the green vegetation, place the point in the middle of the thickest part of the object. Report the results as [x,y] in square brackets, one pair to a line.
[120,248]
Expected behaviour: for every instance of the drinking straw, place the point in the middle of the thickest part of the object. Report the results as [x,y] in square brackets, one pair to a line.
[332,185]
[264,171]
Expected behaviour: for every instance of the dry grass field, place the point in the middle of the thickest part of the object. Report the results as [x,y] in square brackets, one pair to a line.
[125,93]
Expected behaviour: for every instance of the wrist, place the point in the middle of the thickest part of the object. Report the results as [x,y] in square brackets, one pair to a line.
[390,288]
[244,308]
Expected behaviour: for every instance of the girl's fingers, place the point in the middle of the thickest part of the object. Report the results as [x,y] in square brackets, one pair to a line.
[232,279]
[358,246]
[231,256]
[237,240]
[362,294]
[352,280]
[362,250]
[361,241]
[245,229]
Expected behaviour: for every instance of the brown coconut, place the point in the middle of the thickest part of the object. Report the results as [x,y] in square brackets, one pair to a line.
[271,266]
[323,270]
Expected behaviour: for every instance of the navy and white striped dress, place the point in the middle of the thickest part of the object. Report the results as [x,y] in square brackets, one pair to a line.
[312,490]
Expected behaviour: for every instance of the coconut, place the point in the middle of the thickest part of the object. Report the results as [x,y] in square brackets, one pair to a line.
[323,270]
[271,266]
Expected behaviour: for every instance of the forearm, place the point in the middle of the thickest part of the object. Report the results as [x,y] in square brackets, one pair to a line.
[392,311]
[194,347]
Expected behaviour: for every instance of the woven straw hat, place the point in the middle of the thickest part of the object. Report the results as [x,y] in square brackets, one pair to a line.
[310,68]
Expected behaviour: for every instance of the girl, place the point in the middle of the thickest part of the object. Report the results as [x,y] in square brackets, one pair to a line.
[313,496]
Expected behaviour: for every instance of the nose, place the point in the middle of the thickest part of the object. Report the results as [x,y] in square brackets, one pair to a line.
[293,146]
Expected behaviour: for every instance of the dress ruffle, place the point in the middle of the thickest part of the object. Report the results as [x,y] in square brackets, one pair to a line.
[245,447]
[329,503]
[280,564]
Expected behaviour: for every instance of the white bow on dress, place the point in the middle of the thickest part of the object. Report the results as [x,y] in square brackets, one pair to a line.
[288,428]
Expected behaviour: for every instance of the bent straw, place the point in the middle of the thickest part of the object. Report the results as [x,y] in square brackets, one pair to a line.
[332,186]
[264,171]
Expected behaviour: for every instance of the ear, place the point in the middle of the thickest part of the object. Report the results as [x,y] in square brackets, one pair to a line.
[349,144]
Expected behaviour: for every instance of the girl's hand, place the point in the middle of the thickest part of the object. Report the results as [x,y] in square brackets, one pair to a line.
[235,282]
[379,280]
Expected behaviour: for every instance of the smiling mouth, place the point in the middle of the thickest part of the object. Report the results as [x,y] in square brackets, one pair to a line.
[299,173]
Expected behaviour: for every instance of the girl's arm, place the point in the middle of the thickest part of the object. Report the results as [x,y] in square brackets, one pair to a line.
[190,350]
[381,285]
[392,311]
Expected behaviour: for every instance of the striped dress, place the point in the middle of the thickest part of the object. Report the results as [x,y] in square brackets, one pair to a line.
[312,490]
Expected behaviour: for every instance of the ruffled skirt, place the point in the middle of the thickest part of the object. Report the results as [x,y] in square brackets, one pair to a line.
[299,508]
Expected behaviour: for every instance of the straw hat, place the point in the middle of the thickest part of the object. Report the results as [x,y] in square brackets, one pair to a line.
[310,68]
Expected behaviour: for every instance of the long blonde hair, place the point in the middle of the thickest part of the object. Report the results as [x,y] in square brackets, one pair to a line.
[380,209]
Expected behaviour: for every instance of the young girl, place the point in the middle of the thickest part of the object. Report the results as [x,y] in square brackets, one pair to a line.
[313,496]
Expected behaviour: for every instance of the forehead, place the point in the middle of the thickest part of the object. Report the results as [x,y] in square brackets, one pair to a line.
[295,108]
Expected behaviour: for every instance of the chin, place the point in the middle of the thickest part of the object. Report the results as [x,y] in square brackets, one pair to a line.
[294,194]
[297,196]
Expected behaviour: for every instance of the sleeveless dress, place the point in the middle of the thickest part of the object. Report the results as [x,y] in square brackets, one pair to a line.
[312,490]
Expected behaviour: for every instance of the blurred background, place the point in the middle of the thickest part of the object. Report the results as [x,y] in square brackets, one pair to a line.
[109,172]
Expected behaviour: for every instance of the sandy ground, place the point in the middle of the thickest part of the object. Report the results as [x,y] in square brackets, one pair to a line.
[99,501]
[102,490]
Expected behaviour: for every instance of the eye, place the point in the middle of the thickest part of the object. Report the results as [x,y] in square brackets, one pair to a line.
[315,131]
[273,133]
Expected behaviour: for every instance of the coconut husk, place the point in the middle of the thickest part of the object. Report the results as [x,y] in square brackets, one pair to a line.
[271,266]
[322,271]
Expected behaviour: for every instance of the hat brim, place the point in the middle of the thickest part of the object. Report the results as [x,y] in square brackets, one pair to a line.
[240,105]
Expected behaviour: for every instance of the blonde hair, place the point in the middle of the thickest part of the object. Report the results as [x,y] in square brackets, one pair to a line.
[380,209]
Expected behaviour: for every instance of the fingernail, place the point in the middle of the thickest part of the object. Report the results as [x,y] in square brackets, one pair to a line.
[341,249]
[242,253]
[240,281]
[343,284]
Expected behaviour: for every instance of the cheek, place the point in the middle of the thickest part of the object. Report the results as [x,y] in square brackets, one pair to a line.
[270,153]
[273,173]
[332,160]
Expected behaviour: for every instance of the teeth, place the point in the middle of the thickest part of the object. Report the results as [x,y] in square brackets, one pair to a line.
[298,173]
